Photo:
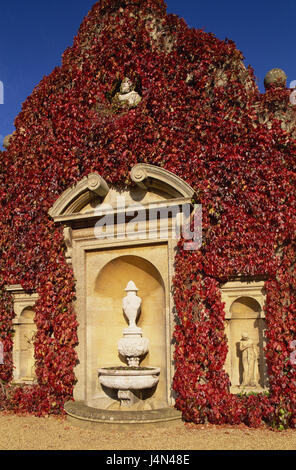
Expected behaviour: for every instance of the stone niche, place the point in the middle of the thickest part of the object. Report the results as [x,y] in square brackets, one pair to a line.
[104,263]
[104,304]
[245,329]
[25,329]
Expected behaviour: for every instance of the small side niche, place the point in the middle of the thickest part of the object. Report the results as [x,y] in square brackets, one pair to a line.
[245,329]
[24,331]
[24,339]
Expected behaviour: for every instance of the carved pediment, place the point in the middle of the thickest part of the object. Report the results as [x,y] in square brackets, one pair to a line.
[153,186]
[153,177]
[74,199]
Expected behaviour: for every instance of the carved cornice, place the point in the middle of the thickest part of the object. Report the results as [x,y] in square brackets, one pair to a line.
[234,290]
[21,301]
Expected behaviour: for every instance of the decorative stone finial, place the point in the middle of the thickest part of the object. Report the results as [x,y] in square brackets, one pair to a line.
[131,287]
[275,77]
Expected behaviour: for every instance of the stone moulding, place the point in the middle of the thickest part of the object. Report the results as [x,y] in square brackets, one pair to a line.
[21,300]
[67,209]
[233,290]
[68,237]
[143,175]
[150,176]
[88,219]
[81,414]
[75,197]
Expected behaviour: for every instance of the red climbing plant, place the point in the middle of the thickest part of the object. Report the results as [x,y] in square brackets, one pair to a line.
[199,117]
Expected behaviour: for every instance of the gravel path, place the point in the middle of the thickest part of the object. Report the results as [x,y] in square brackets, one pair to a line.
[31,433]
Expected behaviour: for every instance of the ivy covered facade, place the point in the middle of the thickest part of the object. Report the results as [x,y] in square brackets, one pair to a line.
[202,117]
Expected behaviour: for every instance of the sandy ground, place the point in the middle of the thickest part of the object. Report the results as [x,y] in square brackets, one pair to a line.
[32,433]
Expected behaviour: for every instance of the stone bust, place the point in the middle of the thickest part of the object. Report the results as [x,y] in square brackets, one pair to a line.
[127,94]
[131,304]
[249,360]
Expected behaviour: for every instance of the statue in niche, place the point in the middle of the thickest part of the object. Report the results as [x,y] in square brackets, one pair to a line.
[249,361]
[30,366]
[127,94]
[131,305]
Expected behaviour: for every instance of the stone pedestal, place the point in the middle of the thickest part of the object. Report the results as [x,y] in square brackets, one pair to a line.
[127,397]
[133,347]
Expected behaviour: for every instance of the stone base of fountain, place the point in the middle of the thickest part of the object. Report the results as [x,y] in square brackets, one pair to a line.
[85,416]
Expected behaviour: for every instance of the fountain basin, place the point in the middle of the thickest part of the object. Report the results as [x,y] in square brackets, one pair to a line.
[129,378]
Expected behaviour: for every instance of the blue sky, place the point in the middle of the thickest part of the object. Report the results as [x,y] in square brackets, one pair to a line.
[34,34]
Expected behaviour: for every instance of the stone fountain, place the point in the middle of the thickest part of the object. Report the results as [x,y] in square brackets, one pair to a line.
[131,380]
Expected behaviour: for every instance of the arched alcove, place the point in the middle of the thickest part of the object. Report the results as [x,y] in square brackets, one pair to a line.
[106,320]
[23,348]
[114,277]
[246,321]
[245,307]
